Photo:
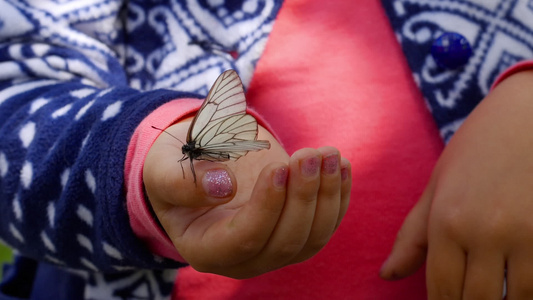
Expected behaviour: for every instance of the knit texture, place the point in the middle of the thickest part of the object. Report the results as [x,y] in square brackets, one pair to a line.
[500,33]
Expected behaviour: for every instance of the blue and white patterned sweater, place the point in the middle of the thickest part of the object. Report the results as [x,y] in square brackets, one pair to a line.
[77,77]
[499,31]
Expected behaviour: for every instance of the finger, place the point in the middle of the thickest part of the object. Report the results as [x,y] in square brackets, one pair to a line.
[294,226]
[410,247]
[328,204]
[520,275]
[241,236]
[484,275]
[346,187]
[445,269]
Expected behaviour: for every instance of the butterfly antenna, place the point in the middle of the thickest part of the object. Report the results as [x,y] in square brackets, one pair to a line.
[168,133]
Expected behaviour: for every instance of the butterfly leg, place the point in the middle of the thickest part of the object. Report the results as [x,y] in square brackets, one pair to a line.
[181,165]
[193,172]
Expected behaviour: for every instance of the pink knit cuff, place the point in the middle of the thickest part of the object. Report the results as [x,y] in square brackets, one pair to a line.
[521,66]
[141,220]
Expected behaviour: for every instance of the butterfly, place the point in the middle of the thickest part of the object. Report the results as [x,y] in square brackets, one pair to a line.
[222,130]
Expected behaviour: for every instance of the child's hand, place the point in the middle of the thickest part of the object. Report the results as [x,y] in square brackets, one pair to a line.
[475,218]
[263,220]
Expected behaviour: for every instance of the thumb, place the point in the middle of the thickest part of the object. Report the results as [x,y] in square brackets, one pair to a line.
[410,248]
[203,184]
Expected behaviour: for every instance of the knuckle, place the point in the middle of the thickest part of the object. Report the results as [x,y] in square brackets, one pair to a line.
[451,222]
[496,227]
[487,226]
[288,251]
[330,188]
[307,193]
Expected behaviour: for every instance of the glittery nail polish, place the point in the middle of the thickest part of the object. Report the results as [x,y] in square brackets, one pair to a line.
[280,177]
[344,173]
[310,166]
[330,164]
[217,183]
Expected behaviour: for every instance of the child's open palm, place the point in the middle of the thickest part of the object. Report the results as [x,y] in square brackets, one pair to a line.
[244,218]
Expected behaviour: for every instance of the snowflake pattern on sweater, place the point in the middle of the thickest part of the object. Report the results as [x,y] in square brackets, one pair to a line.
[499,31]
[77,78]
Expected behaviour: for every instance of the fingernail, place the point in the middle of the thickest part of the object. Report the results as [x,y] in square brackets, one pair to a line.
[330,164]
[344,173]
[217,183]
[310,166]
[382,269]
[280,177]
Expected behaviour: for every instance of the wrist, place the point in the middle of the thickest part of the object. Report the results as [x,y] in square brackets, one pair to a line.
[142,220]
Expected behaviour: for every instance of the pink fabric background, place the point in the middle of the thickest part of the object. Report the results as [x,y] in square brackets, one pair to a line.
[333,74]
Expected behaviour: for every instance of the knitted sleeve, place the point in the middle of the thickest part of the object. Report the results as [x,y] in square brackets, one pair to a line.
[66,118]
[499,32]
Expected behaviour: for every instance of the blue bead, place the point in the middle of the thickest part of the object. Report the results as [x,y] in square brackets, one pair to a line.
[451,50]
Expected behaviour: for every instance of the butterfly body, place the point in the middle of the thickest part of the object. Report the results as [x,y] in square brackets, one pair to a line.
[191,151]
[222,130]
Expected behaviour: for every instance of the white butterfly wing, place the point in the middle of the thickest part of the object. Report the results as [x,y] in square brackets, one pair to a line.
[232,150]
[232,137]
[225,99]
[222,129]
